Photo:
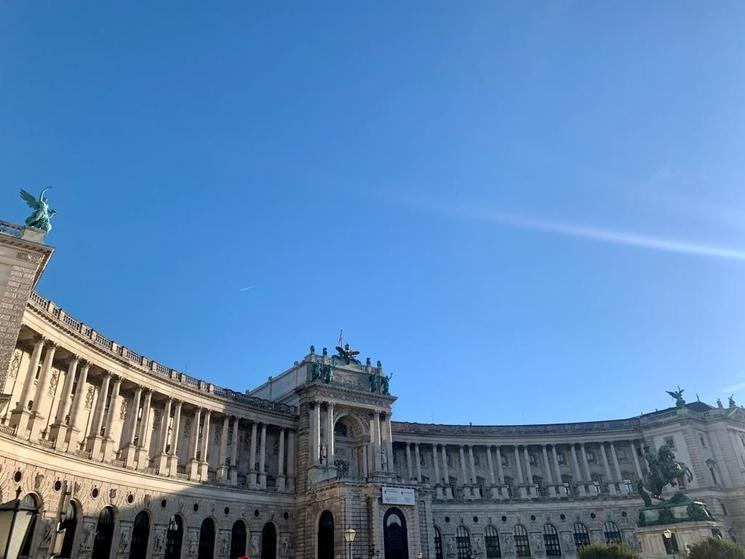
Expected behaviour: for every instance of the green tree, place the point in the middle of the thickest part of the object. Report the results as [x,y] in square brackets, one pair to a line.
[714,548]
[607,551]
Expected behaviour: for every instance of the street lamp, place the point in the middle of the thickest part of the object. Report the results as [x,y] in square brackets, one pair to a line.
[15,520]
[349,535]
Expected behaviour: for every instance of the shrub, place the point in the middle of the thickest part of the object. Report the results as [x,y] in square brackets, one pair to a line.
[610,551]
[714,548]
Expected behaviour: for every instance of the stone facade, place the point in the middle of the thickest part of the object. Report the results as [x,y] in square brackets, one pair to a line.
[136,459]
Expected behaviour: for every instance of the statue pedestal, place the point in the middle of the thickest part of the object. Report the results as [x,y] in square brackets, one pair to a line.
[667,528]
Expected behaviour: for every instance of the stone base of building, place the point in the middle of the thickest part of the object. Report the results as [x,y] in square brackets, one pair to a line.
[679,536]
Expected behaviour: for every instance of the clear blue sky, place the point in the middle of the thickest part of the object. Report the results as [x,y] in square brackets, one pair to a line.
[530,212]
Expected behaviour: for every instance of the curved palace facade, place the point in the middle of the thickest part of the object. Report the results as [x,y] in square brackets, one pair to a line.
[135,459]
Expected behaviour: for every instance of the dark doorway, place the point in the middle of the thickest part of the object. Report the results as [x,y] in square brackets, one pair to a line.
[140,536]
[394,534]
[69,524]
[30,499]
[238,540]
[326,536]
[174,537]
[269,541]
[104,534]
[207,539]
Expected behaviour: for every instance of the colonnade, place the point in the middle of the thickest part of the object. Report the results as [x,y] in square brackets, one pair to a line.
[103,416]
[549,470]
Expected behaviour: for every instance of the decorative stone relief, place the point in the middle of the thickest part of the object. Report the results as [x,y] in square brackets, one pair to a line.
[53,382]
[15,364]
[124,539]
[123,409]
[89,397]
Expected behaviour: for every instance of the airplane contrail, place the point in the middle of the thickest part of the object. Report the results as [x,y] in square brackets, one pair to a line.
[247,288]
[605,235]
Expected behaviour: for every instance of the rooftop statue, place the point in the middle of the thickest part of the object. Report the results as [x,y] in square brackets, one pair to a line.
[732,403]
[663,470]
[347,355]
[678,395]
[42,214]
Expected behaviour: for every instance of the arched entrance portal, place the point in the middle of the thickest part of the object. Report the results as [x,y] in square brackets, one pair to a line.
[104,534]
[207,539]
[238,540]
[140,536]
[69,525]
[174,537]
[326,536]
[269,541]
[350,445]
[395,538]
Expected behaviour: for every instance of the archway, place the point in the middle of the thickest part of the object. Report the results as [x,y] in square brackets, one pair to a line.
[104,534]
[326,536]
[140,536]
[395,537]
[33,501]
[238,540]
[69,525]
[174,537]
[268,542]
[350,442]
[207,539]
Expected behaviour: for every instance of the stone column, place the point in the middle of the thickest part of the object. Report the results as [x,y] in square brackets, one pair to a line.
[447,489]
[109,446]
[375,443]
[222,459]
[518,467]
[234,453]
[21,415]
[204,465]
[175,434]
[143,452]
[252,455]
[616,465]
[95,439]
[608,473]
[463,472]
[418,459]
[330,433]
[577,474]
[281,461]
[316,443]
[193,464]
[490,465]
[547,465]
[41,389]
[409,471]
[58,432]
[163,441]
[262,458]
[130,457]
[529,470]
[588,476]
[290,460]
[636,461]
[556,466]
[500,470]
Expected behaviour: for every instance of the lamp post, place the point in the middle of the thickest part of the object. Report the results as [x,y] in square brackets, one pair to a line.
[349,535]
[15,520]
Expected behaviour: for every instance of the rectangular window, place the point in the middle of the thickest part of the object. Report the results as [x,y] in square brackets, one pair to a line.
[590,456]
[531,459]
[560,458]
[703,442]
[671,544]
[621,454]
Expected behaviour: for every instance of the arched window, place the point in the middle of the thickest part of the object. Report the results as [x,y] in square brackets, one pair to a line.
[69,525]
[326,535]
[611,532]
[174,537]
[140,536]
[581,535]
[269,541]
[104,534]
[395,536]
[491,541]
[207,539]
[551,541]
[522,543]
[238,540]
[31,500]
[463,542]
[438,543]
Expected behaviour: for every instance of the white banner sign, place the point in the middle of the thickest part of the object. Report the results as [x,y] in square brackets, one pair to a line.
[398,496]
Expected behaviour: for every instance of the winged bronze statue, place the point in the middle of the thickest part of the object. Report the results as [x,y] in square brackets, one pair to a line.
[678,395]
[347,354]
[42,214]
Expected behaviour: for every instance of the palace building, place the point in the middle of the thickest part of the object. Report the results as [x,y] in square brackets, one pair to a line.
[130,458]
